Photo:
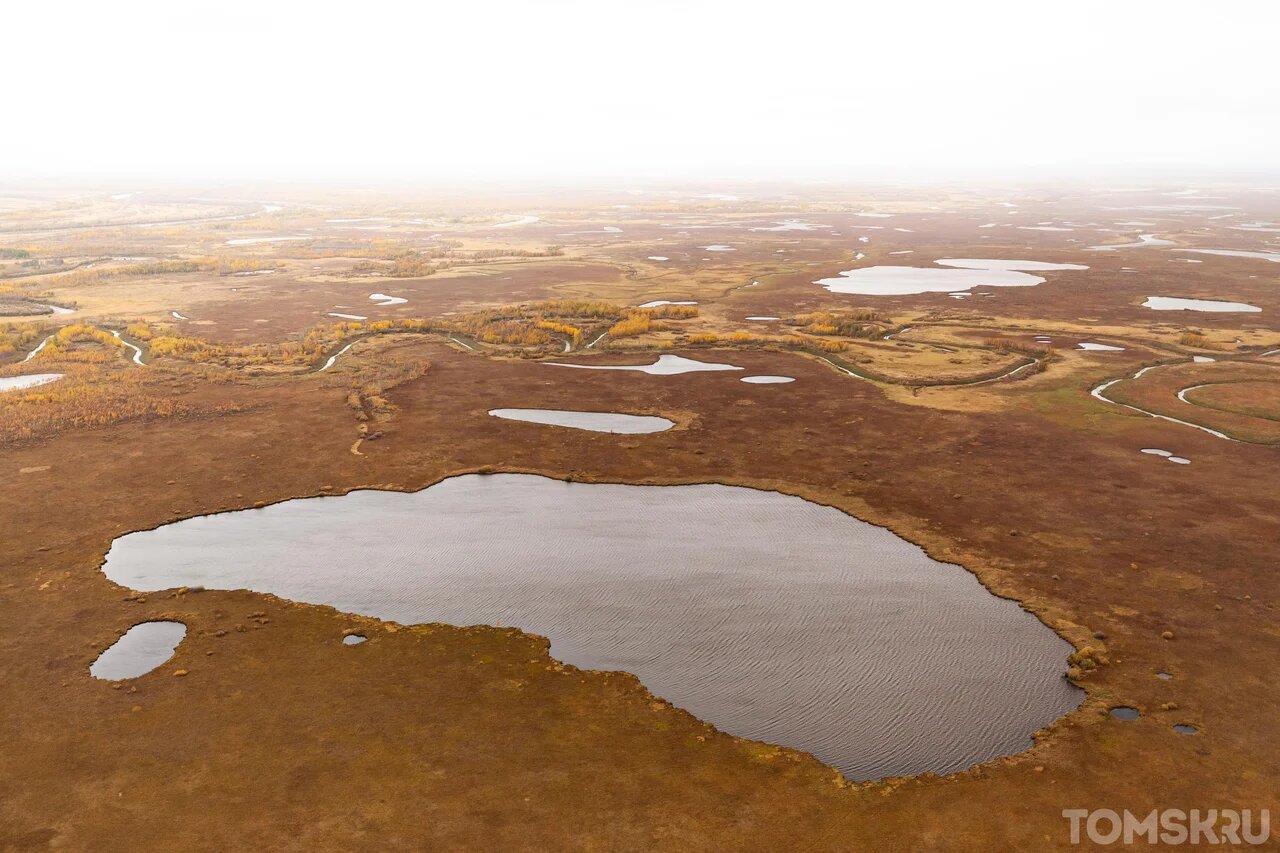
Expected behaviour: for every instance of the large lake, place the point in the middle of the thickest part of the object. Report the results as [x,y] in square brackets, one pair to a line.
[768,616]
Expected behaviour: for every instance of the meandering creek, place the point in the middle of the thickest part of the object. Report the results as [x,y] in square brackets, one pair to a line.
[768,616]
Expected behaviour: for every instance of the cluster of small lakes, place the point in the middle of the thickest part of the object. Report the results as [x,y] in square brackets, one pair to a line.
[957,277]
[800,625]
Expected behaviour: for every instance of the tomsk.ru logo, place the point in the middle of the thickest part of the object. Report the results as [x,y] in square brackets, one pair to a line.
[1169,826]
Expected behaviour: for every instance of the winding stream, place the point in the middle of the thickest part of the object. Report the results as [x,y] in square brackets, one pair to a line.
[1100,394]
[137,351]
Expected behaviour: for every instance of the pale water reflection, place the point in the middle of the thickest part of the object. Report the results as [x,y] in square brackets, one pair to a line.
[768,616]
[139,650]
[592,421]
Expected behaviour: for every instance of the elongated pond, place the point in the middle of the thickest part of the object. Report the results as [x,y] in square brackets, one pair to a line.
[615,422]
[769,616]
[950,274]
[139,650]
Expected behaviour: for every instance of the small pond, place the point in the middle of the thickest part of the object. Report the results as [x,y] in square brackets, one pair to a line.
[666,365]
[139,650]
[954,276]
[592,421]
[1177,303]
[29,380]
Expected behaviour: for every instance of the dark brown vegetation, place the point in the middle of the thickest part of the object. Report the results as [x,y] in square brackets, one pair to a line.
[474,721]
[437,737]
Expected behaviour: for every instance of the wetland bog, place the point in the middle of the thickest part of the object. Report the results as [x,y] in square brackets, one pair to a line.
[888,564]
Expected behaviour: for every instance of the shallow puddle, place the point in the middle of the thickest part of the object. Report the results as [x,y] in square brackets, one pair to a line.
[30,380]
[953,274]
[1006,264]
[353,639]
[768,380]
[1143,240]
[1274,257]
[139,650]
[788,225]
[768,616]
[593,421]
[250,241]
[666,365]
[1177,303]
[1124,712]
[1184,729]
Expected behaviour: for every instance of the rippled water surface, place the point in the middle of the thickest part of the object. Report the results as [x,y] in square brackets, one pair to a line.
[771,617]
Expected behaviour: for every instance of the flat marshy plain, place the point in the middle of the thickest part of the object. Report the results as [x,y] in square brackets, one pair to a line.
[1148,578]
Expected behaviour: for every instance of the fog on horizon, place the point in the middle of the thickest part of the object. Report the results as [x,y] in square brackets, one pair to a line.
[663,90]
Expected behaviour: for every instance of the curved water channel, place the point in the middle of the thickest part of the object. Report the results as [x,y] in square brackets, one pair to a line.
[771,617]
[1099,393]
[137,350]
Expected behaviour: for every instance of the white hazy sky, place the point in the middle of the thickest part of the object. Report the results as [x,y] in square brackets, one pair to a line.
[649,87]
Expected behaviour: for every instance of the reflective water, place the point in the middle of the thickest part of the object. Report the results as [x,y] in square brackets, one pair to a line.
[30,380]
[593,421]
[1274,257]
[766,615]
[1177,303]
[1143,240]
[139,650]
[954,275]
[666,365]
